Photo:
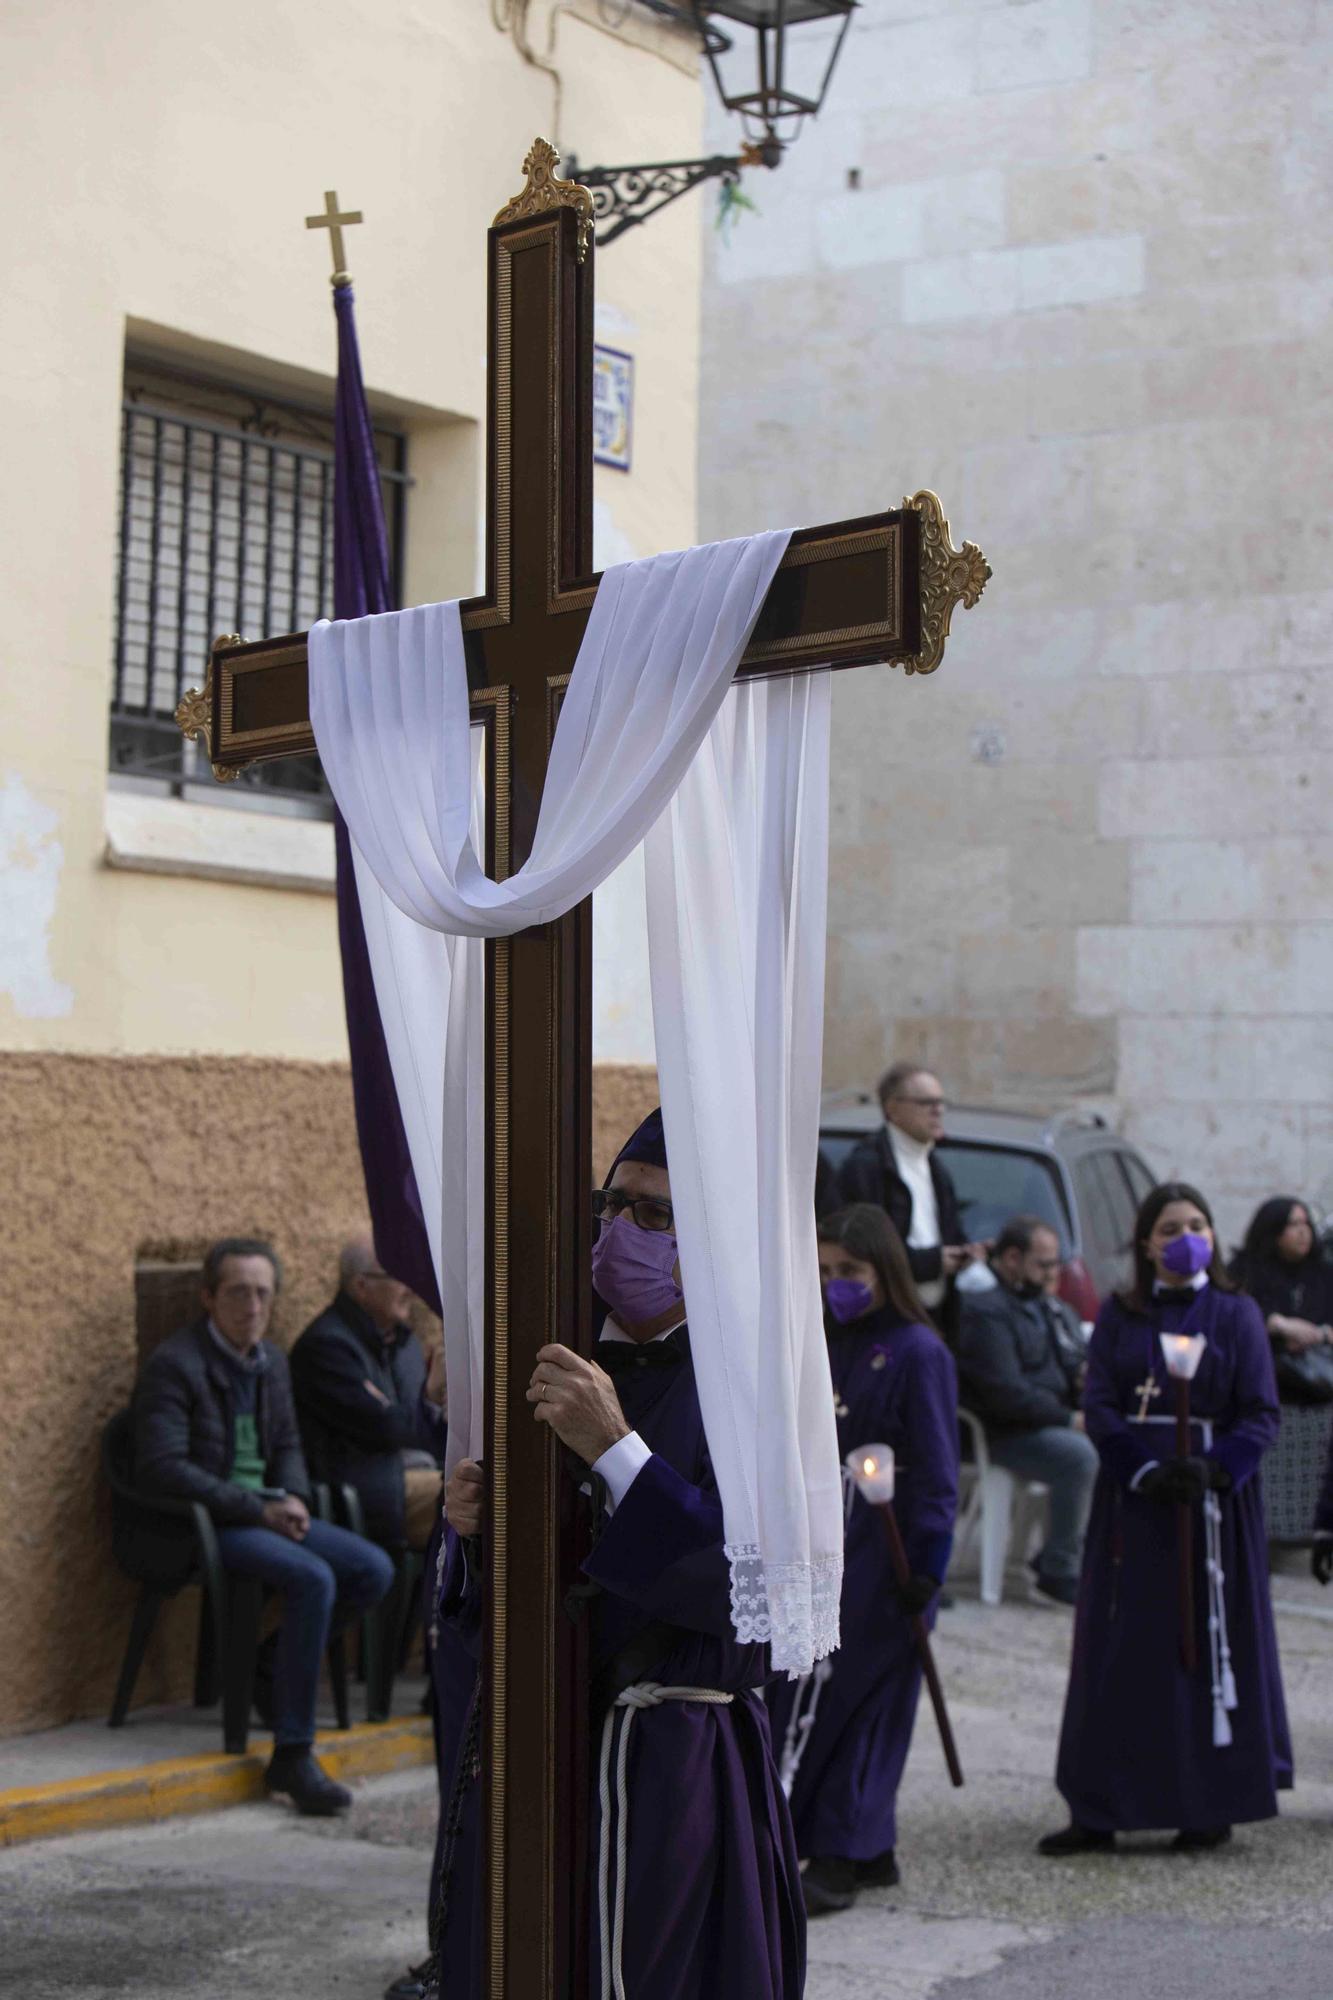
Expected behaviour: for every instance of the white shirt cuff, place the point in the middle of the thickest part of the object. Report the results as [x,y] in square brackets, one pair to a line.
[620,1466]
[1141,1474]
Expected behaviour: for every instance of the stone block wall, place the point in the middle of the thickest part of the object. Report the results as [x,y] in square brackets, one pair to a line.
[1061,260]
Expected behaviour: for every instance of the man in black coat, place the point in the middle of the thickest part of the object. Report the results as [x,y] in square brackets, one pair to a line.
[358,1373]
[1021,1360]
[214,1422]
[896,1169]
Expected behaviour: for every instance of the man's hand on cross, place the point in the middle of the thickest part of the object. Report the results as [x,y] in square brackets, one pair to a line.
[465,1497]
[578,1400]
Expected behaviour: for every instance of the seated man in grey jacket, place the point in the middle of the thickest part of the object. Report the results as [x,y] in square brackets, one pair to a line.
[1020,1369]
[214,1421]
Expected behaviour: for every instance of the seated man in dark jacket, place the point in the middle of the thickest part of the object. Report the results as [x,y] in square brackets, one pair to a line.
[1020,1369]
[896,1168]
[358,1373]
[213,1421]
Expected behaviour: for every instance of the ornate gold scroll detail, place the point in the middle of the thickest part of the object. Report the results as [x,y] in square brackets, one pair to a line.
[949,577]
[194,712]
[546,191]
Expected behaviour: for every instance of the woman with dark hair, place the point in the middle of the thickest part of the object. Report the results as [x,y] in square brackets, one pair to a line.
[1281,1268]
[842,1732]
[1147,1744]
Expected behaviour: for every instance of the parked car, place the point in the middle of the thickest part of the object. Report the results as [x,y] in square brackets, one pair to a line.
[1070,1168]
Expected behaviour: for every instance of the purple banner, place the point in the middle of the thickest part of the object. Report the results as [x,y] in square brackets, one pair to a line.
[361,586]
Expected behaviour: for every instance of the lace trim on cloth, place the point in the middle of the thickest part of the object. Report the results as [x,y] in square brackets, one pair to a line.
[790,1607]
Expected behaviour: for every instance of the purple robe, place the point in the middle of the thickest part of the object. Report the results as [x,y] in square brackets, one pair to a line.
[895,1384]
[1137,1746]
[712,1887]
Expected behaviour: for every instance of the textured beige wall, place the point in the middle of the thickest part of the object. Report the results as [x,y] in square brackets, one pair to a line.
[158,163]
[106,1161]
[1081,291]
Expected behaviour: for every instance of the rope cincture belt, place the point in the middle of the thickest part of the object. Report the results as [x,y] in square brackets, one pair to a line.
[611,1908]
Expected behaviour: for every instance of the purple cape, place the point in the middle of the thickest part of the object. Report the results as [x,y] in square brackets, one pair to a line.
[1136,1748]
[894,1384]
[712,1888]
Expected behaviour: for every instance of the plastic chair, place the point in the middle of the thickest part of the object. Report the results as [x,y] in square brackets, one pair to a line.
[989,1510]
[229,1610]
[386,1629]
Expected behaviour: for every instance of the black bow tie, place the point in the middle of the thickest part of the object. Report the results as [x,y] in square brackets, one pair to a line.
[618,1357]
[1175,1295]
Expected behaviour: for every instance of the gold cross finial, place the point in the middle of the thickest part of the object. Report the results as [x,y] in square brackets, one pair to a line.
[335,224]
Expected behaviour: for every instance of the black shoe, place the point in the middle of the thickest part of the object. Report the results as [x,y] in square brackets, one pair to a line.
[1199,1839]
[1076,1839]
[829,1883]
[294,1771]
[416,1983]
[881,1873]
[1059,1589]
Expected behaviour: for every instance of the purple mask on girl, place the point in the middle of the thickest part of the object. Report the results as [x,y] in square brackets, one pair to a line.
[847,1299]
[1186,1255]
[632,1270]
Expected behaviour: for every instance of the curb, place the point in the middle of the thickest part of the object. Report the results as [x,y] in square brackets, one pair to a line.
[180,1785]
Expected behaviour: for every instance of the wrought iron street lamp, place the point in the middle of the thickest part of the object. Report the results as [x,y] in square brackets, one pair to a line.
[771,82]
[796,42]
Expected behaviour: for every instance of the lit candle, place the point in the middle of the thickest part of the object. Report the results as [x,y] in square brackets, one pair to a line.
[1182,1353]
[871,1466]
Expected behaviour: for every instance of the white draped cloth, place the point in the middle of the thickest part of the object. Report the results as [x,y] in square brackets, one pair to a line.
[729,788]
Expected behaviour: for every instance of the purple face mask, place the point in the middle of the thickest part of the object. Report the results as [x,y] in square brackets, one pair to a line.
[847,1299]
[1186,1255]
[632,1270]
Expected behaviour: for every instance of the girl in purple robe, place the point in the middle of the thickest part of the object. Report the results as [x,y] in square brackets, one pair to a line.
[695,1887]
[843,1731]
[1146,1744]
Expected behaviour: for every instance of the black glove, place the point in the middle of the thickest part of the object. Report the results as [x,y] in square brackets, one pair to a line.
[1176,1480]
[1217,1477]
[916,1593]
[1321,1558]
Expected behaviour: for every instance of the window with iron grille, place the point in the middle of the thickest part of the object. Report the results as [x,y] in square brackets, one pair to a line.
[226,525]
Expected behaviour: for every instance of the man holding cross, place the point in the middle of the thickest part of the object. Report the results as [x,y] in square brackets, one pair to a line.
[696,1884]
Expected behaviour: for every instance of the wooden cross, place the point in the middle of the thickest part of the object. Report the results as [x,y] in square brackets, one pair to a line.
[335,224]
[881,588]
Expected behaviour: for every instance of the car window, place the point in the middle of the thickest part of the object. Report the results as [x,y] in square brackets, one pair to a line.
[1141,1182]
[995,1182]
[1107,1211]
[837,1147]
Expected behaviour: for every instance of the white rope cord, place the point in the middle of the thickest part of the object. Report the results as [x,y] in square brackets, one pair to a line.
[805,1704]
[611,1911]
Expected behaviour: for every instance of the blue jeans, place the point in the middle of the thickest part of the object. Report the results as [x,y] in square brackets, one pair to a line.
[329,1565]
[1066,1461]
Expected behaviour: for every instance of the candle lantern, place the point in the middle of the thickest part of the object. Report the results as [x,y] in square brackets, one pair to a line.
[1182,1353]
[871,1466]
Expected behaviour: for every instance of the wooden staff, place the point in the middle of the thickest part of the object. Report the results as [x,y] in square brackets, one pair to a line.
[1189,1657]
[921,1638]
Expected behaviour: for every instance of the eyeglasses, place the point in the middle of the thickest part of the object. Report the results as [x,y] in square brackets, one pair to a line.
[647,1210]
[926,1103]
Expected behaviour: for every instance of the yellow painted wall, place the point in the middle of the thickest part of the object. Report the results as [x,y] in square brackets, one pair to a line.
[158,162]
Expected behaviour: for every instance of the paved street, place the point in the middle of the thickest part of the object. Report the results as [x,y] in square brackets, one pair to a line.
[255,1905]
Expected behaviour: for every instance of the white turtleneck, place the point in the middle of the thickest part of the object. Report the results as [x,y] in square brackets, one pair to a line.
[912,1158]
